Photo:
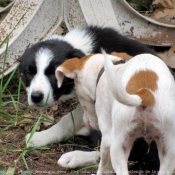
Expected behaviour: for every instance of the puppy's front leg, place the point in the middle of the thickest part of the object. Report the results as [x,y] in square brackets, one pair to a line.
[105,166]
[78,159]
[60,131]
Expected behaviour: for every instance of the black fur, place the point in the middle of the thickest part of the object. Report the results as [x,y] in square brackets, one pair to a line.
[112,41]
[94,138]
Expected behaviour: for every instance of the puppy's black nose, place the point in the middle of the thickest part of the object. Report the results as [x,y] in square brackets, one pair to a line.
[37,96]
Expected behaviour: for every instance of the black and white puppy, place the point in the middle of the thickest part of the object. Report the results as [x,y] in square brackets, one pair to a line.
[38,65]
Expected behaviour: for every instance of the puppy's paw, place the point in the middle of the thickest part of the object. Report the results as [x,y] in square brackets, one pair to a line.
[37,140]
[78,159]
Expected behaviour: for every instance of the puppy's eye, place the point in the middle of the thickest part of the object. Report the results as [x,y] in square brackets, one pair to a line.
[53,74]
[50,73]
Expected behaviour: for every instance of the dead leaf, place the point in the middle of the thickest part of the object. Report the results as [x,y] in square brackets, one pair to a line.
[164,11]
[164,4]
[46,124]
[171,51]
[60,30]
[24,121]
[169,57]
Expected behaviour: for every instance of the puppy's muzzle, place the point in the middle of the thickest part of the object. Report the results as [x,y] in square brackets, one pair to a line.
[37,96]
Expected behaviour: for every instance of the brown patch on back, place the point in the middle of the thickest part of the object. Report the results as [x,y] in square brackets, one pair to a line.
[147,97]
[123,55]
[140,84]
[74,64]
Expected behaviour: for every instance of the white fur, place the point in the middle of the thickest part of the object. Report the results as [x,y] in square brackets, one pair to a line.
[78,159]
[57,37]
[121,124]
[79,38]
[43,58]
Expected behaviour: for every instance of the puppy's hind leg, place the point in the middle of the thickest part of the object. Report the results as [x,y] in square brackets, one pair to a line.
[64,129]
[119,152]
[121,138]
[166,153]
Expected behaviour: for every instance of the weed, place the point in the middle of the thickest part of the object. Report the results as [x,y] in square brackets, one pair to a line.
[5,3]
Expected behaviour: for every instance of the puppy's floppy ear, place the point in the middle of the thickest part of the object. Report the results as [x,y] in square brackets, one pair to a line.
[59,76]
[68,69]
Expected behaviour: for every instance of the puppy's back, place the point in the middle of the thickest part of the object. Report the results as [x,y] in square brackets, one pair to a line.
[136,82]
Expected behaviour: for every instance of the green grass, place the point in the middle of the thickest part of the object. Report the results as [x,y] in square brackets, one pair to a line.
[9,119]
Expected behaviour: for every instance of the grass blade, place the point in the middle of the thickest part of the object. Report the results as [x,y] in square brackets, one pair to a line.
[6,84]
[36,124]
[1,170]
[8,148]
[34,129]
[85,168]
[25,162]
[19,87]
[10,171]
[72,117]
[27,172]
[4,129]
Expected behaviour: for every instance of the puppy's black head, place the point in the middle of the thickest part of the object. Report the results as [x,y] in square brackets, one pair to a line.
[38,65]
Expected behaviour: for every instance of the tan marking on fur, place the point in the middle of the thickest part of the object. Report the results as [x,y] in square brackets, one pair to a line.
[147,97]
[139,84]
[73,64]
[123,55]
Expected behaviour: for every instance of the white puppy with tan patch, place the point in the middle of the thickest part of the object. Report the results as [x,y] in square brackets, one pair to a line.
[131,100]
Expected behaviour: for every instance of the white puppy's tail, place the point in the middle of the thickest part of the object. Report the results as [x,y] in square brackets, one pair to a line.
[116,86]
